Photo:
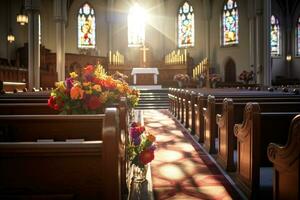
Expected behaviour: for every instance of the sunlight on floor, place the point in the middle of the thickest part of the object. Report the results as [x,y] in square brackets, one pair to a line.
[168,156]
[171,172]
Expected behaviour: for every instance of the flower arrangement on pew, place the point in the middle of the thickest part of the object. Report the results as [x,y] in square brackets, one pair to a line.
[201,79]
[214,79]
[90,92]
[141,149]
[246,76]
[181,78]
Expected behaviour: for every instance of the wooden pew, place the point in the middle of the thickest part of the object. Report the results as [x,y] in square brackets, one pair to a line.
[253,135]
[209,115]
[232,112]
[83,170]
[285,160]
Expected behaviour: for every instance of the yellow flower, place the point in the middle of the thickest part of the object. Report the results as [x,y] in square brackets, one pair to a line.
[76,92]
[73,75]
[97,88]
[103,97]
[60,86]
[120,88]
[89,91]
[151,137]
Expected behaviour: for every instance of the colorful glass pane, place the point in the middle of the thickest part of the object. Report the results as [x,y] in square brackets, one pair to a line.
[186,32]
[230,23]
[298,37]
[275,36]
[136,26]
[86,27]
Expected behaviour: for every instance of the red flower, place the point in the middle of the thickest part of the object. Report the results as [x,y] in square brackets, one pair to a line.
[93,102]
[140,129]
[56,107]
[51,101]
[146,156]
[88,69]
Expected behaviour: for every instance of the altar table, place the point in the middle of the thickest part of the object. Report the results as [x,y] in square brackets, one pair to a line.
[142,73]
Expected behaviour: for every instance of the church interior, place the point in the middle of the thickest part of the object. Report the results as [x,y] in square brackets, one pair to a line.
[156,99]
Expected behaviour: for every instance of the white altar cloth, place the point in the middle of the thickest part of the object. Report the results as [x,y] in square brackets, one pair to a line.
[144,70]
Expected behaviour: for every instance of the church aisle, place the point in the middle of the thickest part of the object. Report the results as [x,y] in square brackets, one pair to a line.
[181,170]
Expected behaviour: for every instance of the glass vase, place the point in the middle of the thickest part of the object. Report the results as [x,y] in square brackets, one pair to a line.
[139,173]
[139,184]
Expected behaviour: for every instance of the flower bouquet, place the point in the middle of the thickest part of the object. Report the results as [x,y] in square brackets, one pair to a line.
[201,79]
[214,79]
[181,78]
[246,76]
[140,150]
[90,92]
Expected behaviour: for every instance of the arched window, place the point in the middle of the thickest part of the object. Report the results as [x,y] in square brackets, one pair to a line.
[298,37]
[136,26]
[275,36]
[186,27]
[230,23]
[86,27]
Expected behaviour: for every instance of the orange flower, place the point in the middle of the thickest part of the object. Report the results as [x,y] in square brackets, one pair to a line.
[151,137]
[109,83]
[76,93]
[97,88]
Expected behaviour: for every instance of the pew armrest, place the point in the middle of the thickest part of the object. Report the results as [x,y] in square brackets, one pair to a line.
[283,157]
[219,120]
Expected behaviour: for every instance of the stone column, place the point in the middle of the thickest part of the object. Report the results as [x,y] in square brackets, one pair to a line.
[60,18]
[267,69]
[110,16]
[32,8]
[207,17]
[259,45]
[252,37]
[288,41]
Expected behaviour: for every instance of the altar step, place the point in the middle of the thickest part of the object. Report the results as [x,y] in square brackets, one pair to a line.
[153,99]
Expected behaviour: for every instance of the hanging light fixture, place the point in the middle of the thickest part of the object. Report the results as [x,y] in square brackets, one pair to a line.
[10,38]
[22,18]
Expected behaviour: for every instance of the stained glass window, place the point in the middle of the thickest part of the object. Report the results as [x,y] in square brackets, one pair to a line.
[186,28]
[230,23]
[275,36]
[298,37]
[136,26]
[86,27]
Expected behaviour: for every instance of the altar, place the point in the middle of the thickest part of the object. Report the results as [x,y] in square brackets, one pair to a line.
[145,75]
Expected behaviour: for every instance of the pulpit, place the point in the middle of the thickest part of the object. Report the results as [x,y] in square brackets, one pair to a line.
[145,76]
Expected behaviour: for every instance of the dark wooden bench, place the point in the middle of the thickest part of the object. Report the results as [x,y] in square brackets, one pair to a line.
[232,112]
[182,108]
[254,134]
[82,170]
[285,161]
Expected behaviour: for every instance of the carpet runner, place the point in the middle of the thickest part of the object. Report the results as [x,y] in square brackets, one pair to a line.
[181,170]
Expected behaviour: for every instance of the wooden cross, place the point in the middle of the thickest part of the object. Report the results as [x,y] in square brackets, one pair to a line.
[144,49]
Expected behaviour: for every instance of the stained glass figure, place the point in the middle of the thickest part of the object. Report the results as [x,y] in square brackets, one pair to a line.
[186,28]
[298,37]
[275,36]
[86,27]
[136,26]
[230,23]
